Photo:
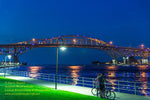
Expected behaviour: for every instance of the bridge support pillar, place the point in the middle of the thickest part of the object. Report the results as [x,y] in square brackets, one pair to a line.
[127,59]
[144,61]
[114,61]
[124,60]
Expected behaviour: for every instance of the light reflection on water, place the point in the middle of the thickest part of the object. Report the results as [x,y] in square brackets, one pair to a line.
[111,76]
[143,79]
[34,71]
[74,70]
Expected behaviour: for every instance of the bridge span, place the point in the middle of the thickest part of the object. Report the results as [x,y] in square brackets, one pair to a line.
[75,41]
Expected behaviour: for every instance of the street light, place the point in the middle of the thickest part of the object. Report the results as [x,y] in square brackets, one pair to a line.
[62,48]
[9,57]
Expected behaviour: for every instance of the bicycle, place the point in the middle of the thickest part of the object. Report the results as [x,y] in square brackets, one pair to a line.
[109,94]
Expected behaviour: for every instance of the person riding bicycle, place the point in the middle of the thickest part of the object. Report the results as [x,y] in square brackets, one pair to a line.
[101,81]
[97,83]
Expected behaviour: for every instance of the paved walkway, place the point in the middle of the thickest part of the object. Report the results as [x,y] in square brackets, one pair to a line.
[77,89]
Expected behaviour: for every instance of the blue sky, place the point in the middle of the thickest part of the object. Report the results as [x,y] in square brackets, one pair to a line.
[125,22]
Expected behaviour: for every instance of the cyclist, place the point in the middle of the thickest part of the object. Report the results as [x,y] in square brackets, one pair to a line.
[97,83]
[101,81]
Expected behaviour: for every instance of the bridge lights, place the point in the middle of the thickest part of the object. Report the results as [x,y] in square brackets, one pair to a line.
[142,46]
[74,40]
[33,39]
[110,42]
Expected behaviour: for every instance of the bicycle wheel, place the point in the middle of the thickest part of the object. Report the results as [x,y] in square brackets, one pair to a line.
[94,91]
[110,94]
[107,93]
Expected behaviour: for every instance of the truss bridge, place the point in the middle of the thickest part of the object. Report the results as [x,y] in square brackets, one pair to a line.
[75,41]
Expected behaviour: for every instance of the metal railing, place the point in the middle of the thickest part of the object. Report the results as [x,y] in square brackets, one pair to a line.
[136,88]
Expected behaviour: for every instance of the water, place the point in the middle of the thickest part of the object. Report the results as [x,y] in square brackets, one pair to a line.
[127,73]
[139,73]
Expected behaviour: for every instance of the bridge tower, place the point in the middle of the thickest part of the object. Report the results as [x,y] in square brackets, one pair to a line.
[114,61]
[124,60]
[114,55]
[127,59]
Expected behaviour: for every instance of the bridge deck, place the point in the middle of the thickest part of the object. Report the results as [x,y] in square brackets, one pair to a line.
[77,89]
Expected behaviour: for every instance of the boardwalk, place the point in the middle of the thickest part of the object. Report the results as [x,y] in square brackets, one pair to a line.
[77,89]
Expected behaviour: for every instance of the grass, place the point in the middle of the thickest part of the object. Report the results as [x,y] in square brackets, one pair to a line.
[17,90]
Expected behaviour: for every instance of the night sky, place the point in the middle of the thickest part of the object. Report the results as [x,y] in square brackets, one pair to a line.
[125,22]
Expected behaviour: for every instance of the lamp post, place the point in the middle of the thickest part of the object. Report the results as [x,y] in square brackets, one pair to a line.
[9,56]
[56,68]
[5,67]
[62,48]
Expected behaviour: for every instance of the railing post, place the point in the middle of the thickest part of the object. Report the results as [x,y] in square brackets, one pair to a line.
[29,75]
[43,76]
[18,73]
[135,88]
[54,78]
[60,79]
[40,76]
[26,74]
[118,87]
[66,79]
[83,81]
[22,73]
[93,82]
[48,77]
